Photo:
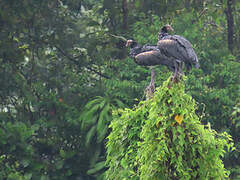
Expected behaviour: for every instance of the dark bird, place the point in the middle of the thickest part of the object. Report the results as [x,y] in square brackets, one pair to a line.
[178,49]
[171,51]
[148,55]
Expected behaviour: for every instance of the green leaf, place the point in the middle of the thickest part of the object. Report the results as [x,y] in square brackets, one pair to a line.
[98,166]
[98,100]
[120,104]
[102,134]
[102,121]
[90,135]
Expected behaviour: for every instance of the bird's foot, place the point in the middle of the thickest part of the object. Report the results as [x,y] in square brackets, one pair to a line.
[176,78]
[149,91]
[180,74]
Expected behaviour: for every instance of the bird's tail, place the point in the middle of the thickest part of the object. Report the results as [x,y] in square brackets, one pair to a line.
[197,65]
[193,58]
[196,62]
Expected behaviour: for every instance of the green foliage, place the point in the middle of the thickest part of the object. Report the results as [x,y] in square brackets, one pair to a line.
[163,139]
[97,115]
[57,56]
[15,156]
[95,118]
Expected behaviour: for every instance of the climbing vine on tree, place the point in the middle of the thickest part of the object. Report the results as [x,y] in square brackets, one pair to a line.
[163,138]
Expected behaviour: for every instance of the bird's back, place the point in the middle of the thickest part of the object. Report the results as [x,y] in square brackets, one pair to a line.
[180,48]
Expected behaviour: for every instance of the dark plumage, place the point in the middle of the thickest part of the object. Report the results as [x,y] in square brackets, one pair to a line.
[178,48]
[148,55]
[171,51]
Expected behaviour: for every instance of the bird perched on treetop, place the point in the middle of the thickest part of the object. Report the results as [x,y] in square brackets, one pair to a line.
[149,55]
[177,48]
[171,51]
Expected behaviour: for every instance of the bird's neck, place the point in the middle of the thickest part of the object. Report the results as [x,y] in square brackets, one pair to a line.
[162,34]
[133,45]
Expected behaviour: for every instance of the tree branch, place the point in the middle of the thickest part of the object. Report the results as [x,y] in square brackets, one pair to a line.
[230,24]
[125,14]
[77,63]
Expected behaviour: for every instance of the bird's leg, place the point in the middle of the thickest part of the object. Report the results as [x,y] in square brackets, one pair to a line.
[175,71]
[180,71]
[181,68]
[151,87]
[152,83]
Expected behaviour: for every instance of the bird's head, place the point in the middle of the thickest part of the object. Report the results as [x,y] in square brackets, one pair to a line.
[131,43]
[167,28]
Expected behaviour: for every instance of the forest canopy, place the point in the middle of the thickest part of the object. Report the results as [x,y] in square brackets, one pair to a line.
[64,71]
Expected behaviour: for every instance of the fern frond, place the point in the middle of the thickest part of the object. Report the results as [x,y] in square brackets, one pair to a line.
[90,135]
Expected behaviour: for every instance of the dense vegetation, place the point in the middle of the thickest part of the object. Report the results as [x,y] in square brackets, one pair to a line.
[162,138]
[63,72]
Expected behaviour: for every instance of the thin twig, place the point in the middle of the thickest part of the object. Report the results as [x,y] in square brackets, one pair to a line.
[119,37]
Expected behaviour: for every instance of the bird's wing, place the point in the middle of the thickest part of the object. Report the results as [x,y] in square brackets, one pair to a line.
[178,47]
[154,57]
[182,41]
[192,56]
[172,49]
[148,47]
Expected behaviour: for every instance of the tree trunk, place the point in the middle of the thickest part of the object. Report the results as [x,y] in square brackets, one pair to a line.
[230,24]
[125,14]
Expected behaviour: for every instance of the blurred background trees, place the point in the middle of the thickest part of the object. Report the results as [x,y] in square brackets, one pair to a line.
[63,73]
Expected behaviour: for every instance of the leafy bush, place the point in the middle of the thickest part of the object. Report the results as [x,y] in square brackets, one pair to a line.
[163,138]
